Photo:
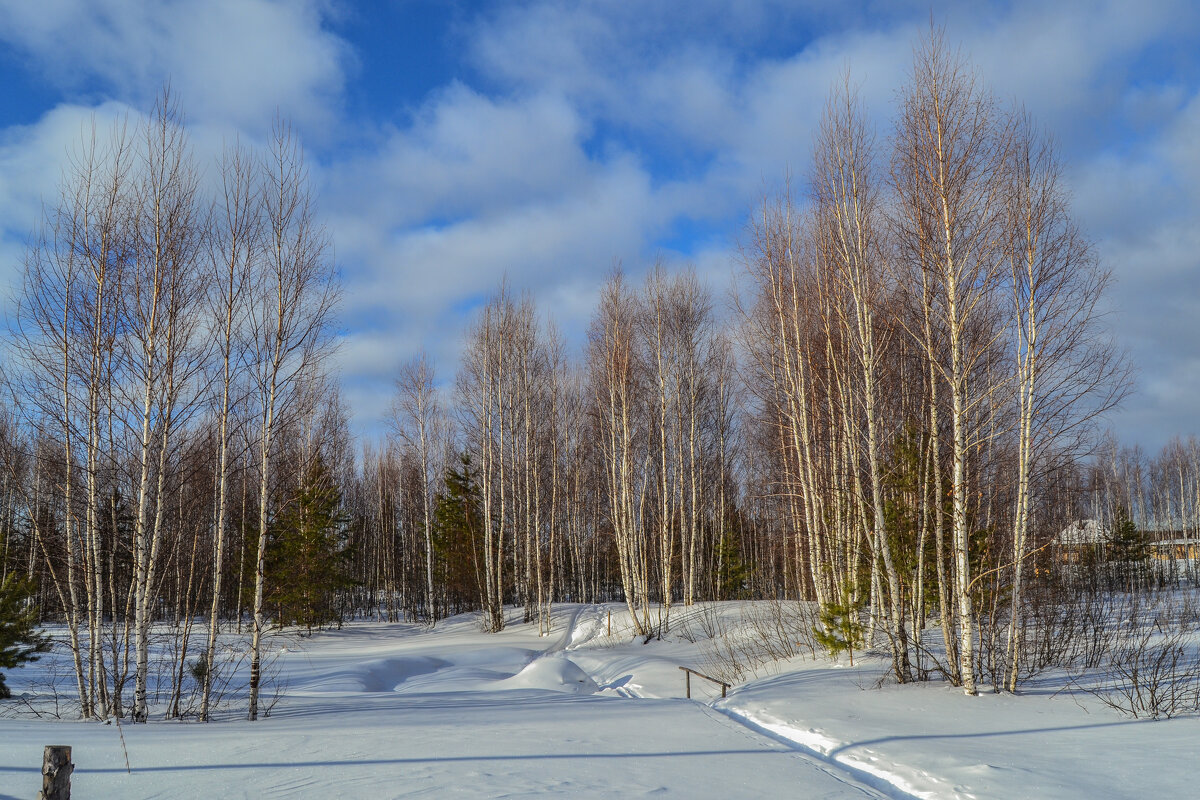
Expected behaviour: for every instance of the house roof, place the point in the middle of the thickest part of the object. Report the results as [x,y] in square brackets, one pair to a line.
[1082,532]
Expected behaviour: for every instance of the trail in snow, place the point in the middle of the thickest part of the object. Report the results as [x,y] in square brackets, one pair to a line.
[394,711]
[404,711]
[859,779]
[891,783]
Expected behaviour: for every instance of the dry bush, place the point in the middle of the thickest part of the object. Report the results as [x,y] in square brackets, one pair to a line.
[766,633]
[1151,668]
[702,621]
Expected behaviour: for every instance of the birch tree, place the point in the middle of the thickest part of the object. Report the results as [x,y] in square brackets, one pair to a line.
[481,393]
[418,419]
[1066,370]
[847,197]
[950,145]
[160,305]
[616,384]
[292,299]
[234,248]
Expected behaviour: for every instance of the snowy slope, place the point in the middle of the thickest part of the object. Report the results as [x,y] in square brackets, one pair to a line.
[392,711]
[401,711]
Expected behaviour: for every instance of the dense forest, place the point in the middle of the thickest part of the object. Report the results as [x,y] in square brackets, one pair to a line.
[894,418]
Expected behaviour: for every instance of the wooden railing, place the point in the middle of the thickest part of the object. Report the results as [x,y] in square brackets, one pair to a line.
[688,672]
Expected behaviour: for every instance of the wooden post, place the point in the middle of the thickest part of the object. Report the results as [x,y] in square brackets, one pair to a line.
[610,622]
[687,681]
[56,773]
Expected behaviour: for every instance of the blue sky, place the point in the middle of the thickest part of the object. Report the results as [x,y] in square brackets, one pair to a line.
[456,143]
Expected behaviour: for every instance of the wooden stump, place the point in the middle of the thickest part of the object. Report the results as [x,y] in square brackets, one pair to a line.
[56,773]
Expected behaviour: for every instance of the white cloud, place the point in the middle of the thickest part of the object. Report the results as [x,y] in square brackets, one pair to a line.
[615,123]
[539,245]
[32,162]
[235,61]
[590,132]
[1140,204]
[465,154]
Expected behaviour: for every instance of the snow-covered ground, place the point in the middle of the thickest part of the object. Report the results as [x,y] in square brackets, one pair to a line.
[397,710]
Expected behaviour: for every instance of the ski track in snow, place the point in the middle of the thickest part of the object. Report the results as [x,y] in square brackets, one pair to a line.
[400,710]
[859,779]
[397,711]
[891,782]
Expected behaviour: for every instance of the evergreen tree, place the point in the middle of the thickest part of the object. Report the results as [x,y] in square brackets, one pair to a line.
[902,483]
[1128,551]
[308,556]
[1126,542]
[20,643]
[458,521]
[733,578]
[840,629]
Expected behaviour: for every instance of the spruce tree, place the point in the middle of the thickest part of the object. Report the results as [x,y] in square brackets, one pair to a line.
[20,642]
[840,629]
[1127,544]
[308,557]
[1128,549]
[457,525]
[733,578]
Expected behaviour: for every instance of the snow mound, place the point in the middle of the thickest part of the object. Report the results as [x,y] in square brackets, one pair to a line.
[376,675]
[555,673]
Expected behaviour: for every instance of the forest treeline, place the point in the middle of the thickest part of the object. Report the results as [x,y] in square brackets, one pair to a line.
[897,415]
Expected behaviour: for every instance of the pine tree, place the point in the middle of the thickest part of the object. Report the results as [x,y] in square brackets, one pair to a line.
[20,643]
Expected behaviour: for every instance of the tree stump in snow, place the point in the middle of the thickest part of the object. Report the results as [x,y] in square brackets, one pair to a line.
[56,773]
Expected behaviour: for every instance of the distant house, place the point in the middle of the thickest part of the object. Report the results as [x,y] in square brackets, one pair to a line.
[1178,547]
[1088,538]
[1080,539]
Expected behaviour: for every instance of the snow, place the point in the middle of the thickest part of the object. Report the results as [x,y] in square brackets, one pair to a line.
[400,710]
[1082,533]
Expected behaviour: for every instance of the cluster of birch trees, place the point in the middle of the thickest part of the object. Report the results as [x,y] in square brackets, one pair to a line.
[924,344]
[891,419]
[1159,493]
[166,348]
[605,479]
[921,371]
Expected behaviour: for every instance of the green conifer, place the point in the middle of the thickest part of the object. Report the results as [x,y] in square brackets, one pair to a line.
[309,555]
[20,642]
[840,629]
